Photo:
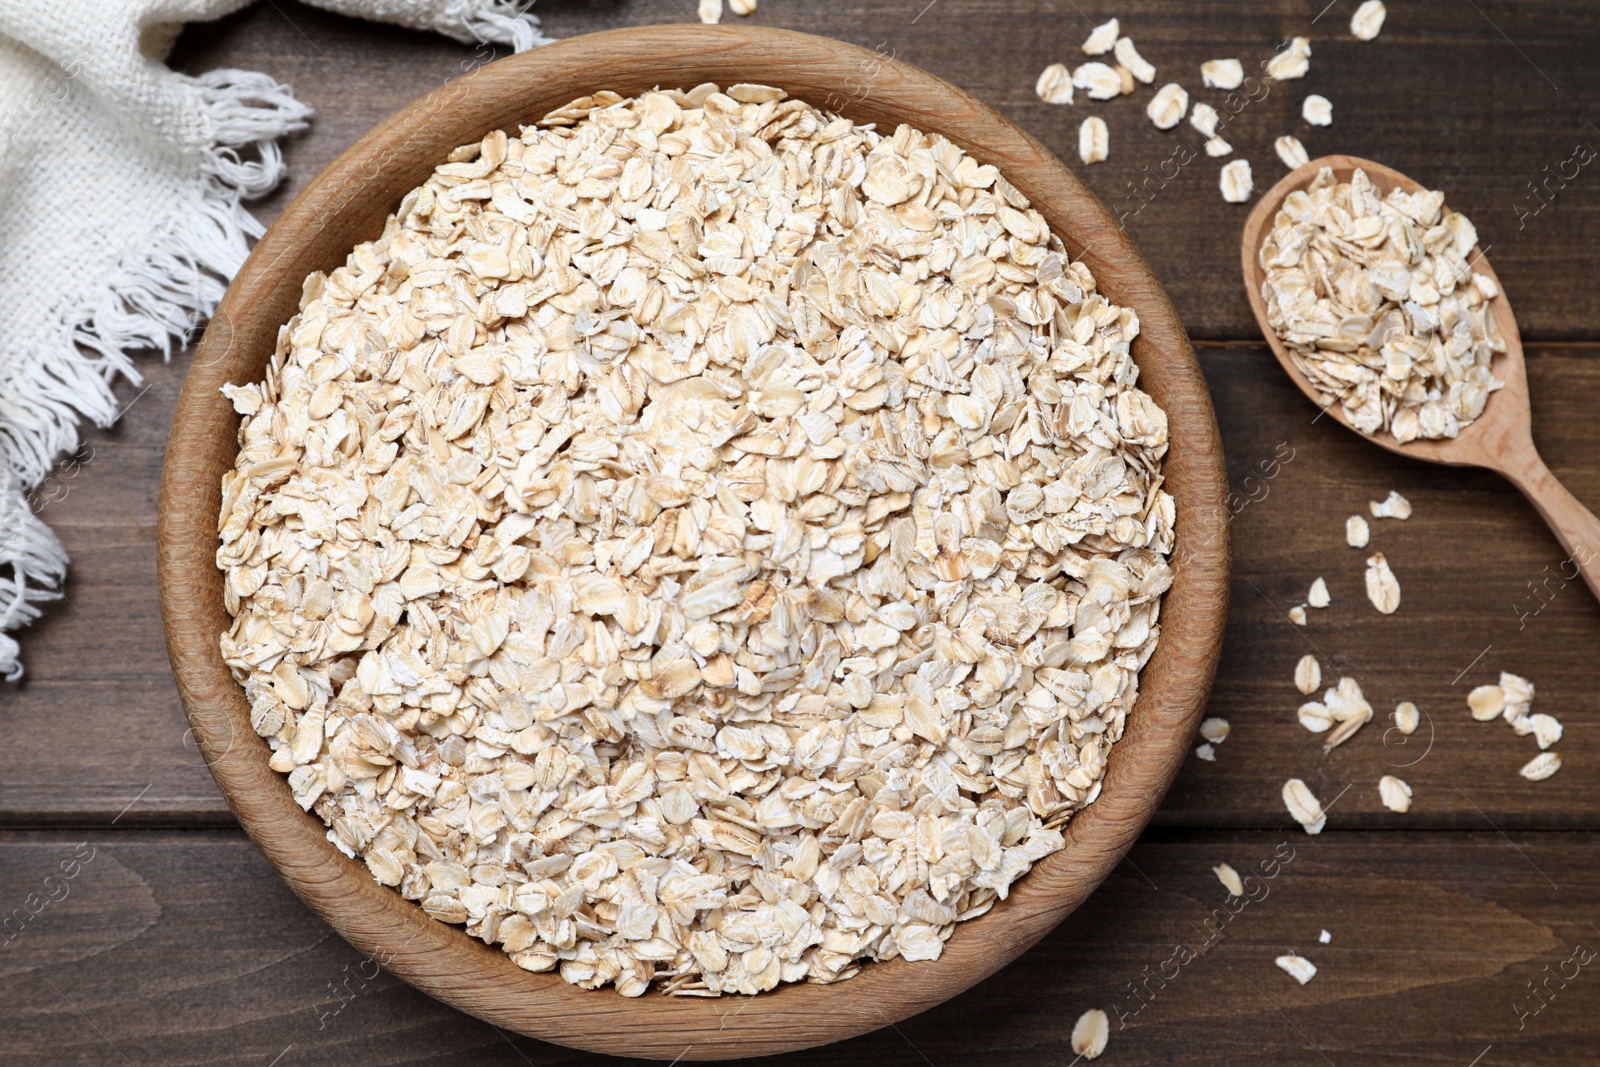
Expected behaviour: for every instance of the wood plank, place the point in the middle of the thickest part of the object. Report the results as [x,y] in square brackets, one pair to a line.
[1476,99]
[1481,592]
[96,722]
[181,948]
[97,670]
[184,947]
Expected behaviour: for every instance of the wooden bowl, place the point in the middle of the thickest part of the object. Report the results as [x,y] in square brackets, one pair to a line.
[348,203]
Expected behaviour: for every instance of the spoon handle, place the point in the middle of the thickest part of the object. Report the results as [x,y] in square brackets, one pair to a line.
[1575,526]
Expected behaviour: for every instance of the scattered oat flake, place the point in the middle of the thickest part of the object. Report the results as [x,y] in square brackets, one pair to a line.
[1094,140]
[1406,717]
[1237,185]
[1129,83]
[1055,84]
[1216,147]
[1297,615]
[1090,1033]
[1317,110]
[1214,730]
[1383,588]
[1229,878]
[1291,151]
[1167,108]
[1486,702]
[1315,716]
[1541,767]
[1103,38]
[1546,729]
[1519,702]
[1099,81]
[1342,733]
[1356,532]
[1206,752]
[1395,794]
[742,7]
[1307,674]
[1299,968]
[711,11]
[1393,506]
[1347,701]
[1317,596]
[1203,117]
[1518,690]
[1222,73]
[1304,806]
[1292,61]
[1367,22]
[1324,937]
[1140,67]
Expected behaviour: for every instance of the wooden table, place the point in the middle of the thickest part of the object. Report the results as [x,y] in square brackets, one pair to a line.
[1461,932]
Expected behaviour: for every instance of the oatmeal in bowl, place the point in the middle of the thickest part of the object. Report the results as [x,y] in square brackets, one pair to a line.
[704,542]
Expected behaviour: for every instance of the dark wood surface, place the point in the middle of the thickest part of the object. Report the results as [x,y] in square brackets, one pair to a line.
[1441,95]
[347,204]
[176,948]
[177,944]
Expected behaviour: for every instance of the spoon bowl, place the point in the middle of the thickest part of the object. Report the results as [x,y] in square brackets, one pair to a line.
[1501,438]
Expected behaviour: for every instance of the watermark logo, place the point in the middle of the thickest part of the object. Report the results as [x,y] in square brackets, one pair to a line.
[1140,991]
[1542,191]
[55,888]
[1582,955]
[1541,594]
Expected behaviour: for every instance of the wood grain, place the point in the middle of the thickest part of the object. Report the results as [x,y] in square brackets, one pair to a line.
[1435,938]
[347,203]
[1501,438]
[236,970]
[1484,590]
[1405,99]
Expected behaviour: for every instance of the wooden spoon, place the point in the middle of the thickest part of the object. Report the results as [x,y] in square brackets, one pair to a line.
[1500,439]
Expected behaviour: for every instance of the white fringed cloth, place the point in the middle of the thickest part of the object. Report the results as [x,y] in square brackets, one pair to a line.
[122,219]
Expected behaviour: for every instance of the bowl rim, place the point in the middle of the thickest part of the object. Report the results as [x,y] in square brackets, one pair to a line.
[347,203]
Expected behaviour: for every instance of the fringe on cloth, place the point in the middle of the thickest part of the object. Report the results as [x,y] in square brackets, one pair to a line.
[160,296]
[506,22]
[153,301]
[37,564]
